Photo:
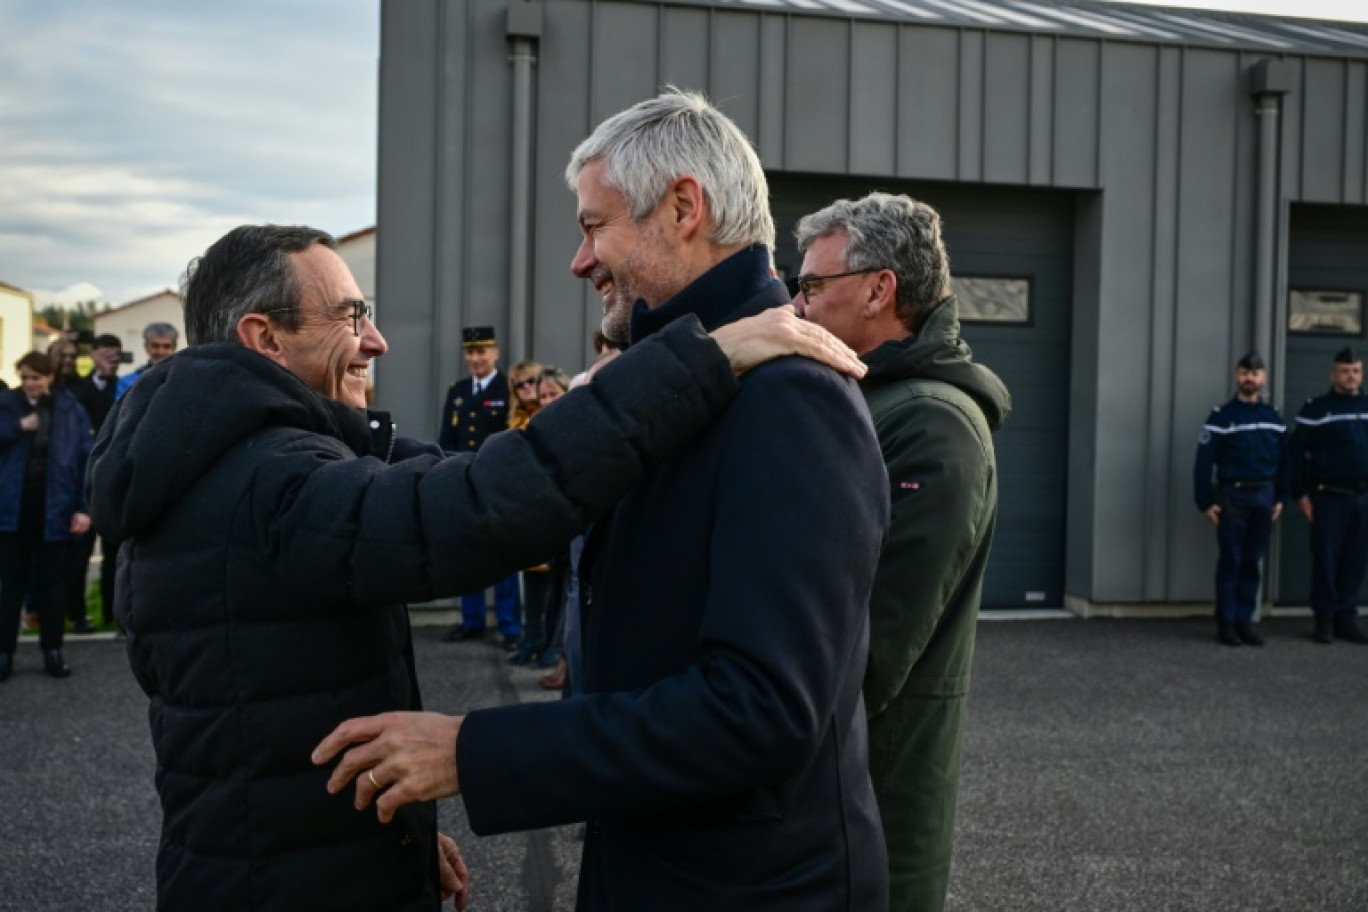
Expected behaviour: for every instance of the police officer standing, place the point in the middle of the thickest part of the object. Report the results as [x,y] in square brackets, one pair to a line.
[476,407]
[1328,468]
[1241,444]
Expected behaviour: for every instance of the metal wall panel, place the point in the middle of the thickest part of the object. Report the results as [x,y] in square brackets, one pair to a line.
[1127,325]
[626,60]
[1323,98]
[683,30]
[770,137]
[567,309]
[735,68]
[928,121]
[1168,537]
[475,274]
[1356,133]
[971,107]
[407,145]
[1040,141]
[1077,78]
[817,103]
[1007,109]
[873,139]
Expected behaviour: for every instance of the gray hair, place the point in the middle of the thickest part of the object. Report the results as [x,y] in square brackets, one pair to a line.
[160,331]
[884,231]
[248,270]
[675,134]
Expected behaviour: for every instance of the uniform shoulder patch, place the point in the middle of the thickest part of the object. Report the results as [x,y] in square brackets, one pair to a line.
[1204,437]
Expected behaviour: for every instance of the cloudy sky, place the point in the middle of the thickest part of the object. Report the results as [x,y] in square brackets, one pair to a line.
[135,132]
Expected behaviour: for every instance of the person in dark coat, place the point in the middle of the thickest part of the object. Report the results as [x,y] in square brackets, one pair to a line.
[269,551]
[719,752]
[1327,465]
[1238,484]
[476,407]
[876,273]
[96,393]
[44,444]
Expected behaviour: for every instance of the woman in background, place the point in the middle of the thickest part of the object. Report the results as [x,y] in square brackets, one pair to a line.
[522,380]
[45,441]
[544,583]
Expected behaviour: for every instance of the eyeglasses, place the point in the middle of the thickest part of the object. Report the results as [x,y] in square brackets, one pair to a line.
[360,310]
[526,381]
[808,284]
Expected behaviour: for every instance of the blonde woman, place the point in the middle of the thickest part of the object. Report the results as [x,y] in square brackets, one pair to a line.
[522,379]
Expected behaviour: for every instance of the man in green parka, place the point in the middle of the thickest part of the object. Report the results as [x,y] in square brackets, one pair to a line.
[875,273]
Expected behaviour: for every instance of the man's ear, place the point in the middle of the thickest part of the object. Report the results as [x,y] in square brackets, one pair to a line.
[256,332]
[883,294]
[686,202]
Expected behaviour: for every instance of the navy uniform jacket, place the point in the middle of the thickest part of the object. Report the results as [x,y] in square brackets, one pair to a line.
[466,420]
[720,750]
[1242,441]
[1329,446]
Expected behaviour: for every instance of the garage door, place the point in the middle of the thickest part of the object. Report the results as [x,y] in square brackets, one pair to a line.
[1327,278]
[1015,248]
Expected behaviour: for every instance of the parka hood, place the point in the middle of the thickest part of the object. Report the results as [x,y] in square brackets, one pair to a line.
[938,353]
[181,416]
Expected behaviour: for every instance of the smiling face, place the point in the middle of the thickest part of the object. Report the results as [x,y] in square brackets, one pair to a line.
[325,352]
[626,260]
[524,383]
[480,360]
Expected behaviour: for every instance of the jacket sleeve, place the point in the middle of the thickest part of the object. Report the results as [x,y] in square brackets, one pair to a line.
[799,514]
[940,477]
[9,420]
[1202,466]
[356,529]
[84,442]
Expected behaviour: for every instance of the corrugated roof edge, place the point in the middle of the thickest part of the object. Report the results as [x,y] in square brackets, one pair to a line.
[1113,22]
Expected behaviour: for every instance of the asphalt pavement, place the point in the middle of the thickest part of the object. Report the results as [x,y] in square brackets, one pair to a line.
[1109,765]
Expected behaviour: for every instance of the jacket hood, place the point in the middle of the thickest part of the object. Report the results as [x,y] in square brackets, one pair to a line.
[938,353]
[181,416]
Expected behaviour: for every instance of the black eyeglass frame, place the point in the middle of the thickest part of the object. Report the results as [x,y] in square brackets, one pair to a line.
[359,310]
[803,283]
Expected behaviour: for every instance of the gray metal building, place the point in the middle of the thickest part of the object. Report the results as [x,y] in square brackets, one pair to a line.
[1133,196]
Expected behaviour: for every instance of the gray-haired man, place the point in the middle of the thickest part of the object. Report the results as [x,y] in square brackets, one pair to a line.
[719,750]
[875,273]
[159,341]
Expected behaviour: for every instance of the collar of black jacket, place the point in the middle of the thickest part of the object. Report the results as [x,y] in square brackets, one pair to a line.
[737,287]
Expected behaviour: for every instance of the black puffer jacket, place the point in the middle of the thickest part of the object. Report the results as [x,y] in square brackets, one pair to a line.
[267,554]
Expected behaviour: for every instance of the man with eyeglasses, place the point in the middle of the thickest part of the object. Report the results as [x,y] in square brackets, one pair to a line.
[875,272]
[718,750]
[274,527]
